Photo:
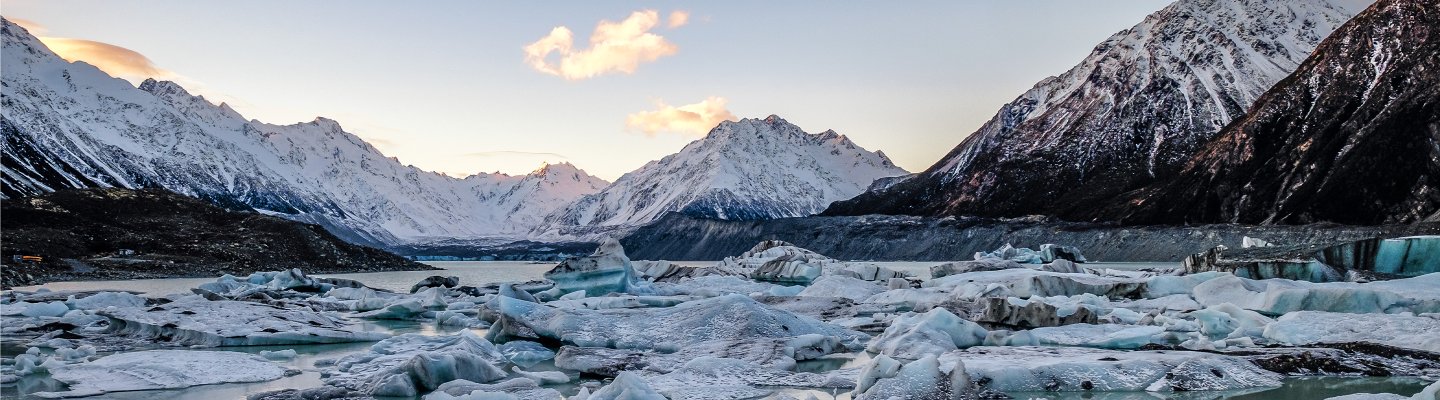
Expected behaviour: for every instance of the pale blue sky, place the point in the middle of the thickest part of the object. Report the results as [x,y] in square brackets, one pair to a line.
[444,85]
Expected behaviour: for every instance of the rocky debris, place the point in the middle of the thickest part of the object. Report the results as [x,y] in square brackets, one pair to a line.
[435,281]
[106,234]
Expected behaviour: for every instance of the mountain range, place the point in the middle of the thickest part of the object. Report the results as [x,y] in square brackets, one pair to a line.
[1131,113]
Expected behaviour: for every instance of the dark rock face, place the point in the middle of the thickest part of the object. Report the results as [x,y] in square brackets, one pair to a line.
[1131,113]
[878,237]
[152,233]
[1353,136]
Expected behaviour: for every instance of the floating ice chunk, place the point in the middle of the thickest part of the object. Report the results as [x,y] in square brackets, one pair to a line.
[917,335]
[525,352]
[403,309]
[287,354]
[1404,330]
[1107,336]
[542,377]
[669,328]
[709,377]
[1280,296]
[435,281]
[231,323]
[909,299]
[355,299]
[512,389]
[1073,369]
[841,286]
[626,386]
[608,270]
[458,318]
[919,379]
[1226,320]
[1054,252]
[409,364]
[51,309]
[712,286]
[1167,285]
[1007,252]
[105,299]
[980,264]
[75,354]
[161,369]
[1026,282]
[665,271]
[1036,312]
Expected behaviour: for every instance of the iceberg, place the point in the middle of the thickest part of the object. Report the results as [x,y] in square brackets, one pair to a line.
[512,389]
[669,329]
[199,322]
[607,270]
[1027,282]
[884,378]
[161,369]
[935,332]
[981,264]
[665,271]
[1072,369]
[726,378]
[842,286]
[410,364]
[1404,330]
[101,300]
[525,353]
[51,309]
[435,281]
[1108,336]
[1280,296]
[626,386]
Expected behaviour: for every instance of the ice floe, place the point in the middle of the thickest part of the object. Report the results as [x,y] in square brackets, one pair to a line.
[161,369]
[411,364]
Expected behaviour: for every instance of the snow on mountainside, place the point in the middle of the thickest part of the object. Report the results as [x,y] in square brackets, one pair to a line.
[69,125]
[746,170]
[1132,112]
[1352,137]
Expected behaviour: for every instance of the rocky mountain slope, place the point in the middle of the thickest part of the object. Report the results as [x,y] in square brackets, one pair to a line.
[910,238]
[1133,112]
[69,125]
[84,235]
[1353,136]
[750,169]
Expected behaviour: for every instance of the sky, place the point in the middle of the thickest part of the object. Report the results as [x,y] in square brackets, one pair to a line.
[463,87]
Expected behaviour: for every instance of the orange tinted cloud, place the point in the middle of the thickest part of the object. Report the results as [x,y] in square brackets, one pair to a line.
[677,19]
[614,47]
[117,61]
[692,119]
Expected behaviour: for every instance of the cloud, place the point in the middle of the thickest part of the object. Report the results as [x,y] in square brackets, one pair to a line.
[695,119]
[614,47]
[117,61]
[678,18]
[30,26]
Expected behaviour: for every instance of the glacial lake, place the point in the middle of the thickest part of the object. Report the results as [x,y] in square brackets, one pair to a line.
[480,272]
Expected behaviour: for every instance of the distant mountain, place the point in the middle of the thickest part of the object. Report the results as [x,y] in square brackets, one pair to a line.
[1131,113]
[101,234]
[69,125]
[752,169]
[1353,136]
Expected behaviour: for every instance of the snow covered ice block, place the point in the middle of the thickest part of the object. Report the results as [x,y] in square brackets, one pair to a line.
[1280,296]
[608,270]
[982,264]
[105,299]
[1025,282]
[51,309]
[516,389]
[410,364]
[665,271]
[1405,330]
[778,354]
[884,378]
[626,386]
[935,332]
[161,369]
[1074,369]
[727,378]
[1108,336]
[842,286]
[729,317]
[525,353]
[193,321]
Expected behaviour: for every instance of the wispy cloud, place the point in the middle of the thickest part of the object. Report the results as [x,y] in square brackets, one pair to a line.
[506,153]
[690,119]
[678,18]
[614,47]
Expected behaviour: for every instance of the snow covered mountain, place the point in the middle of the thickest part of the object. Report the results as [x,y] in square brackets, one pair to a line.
[69,125]
[747,170]
[1132,112]
[1352,137]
